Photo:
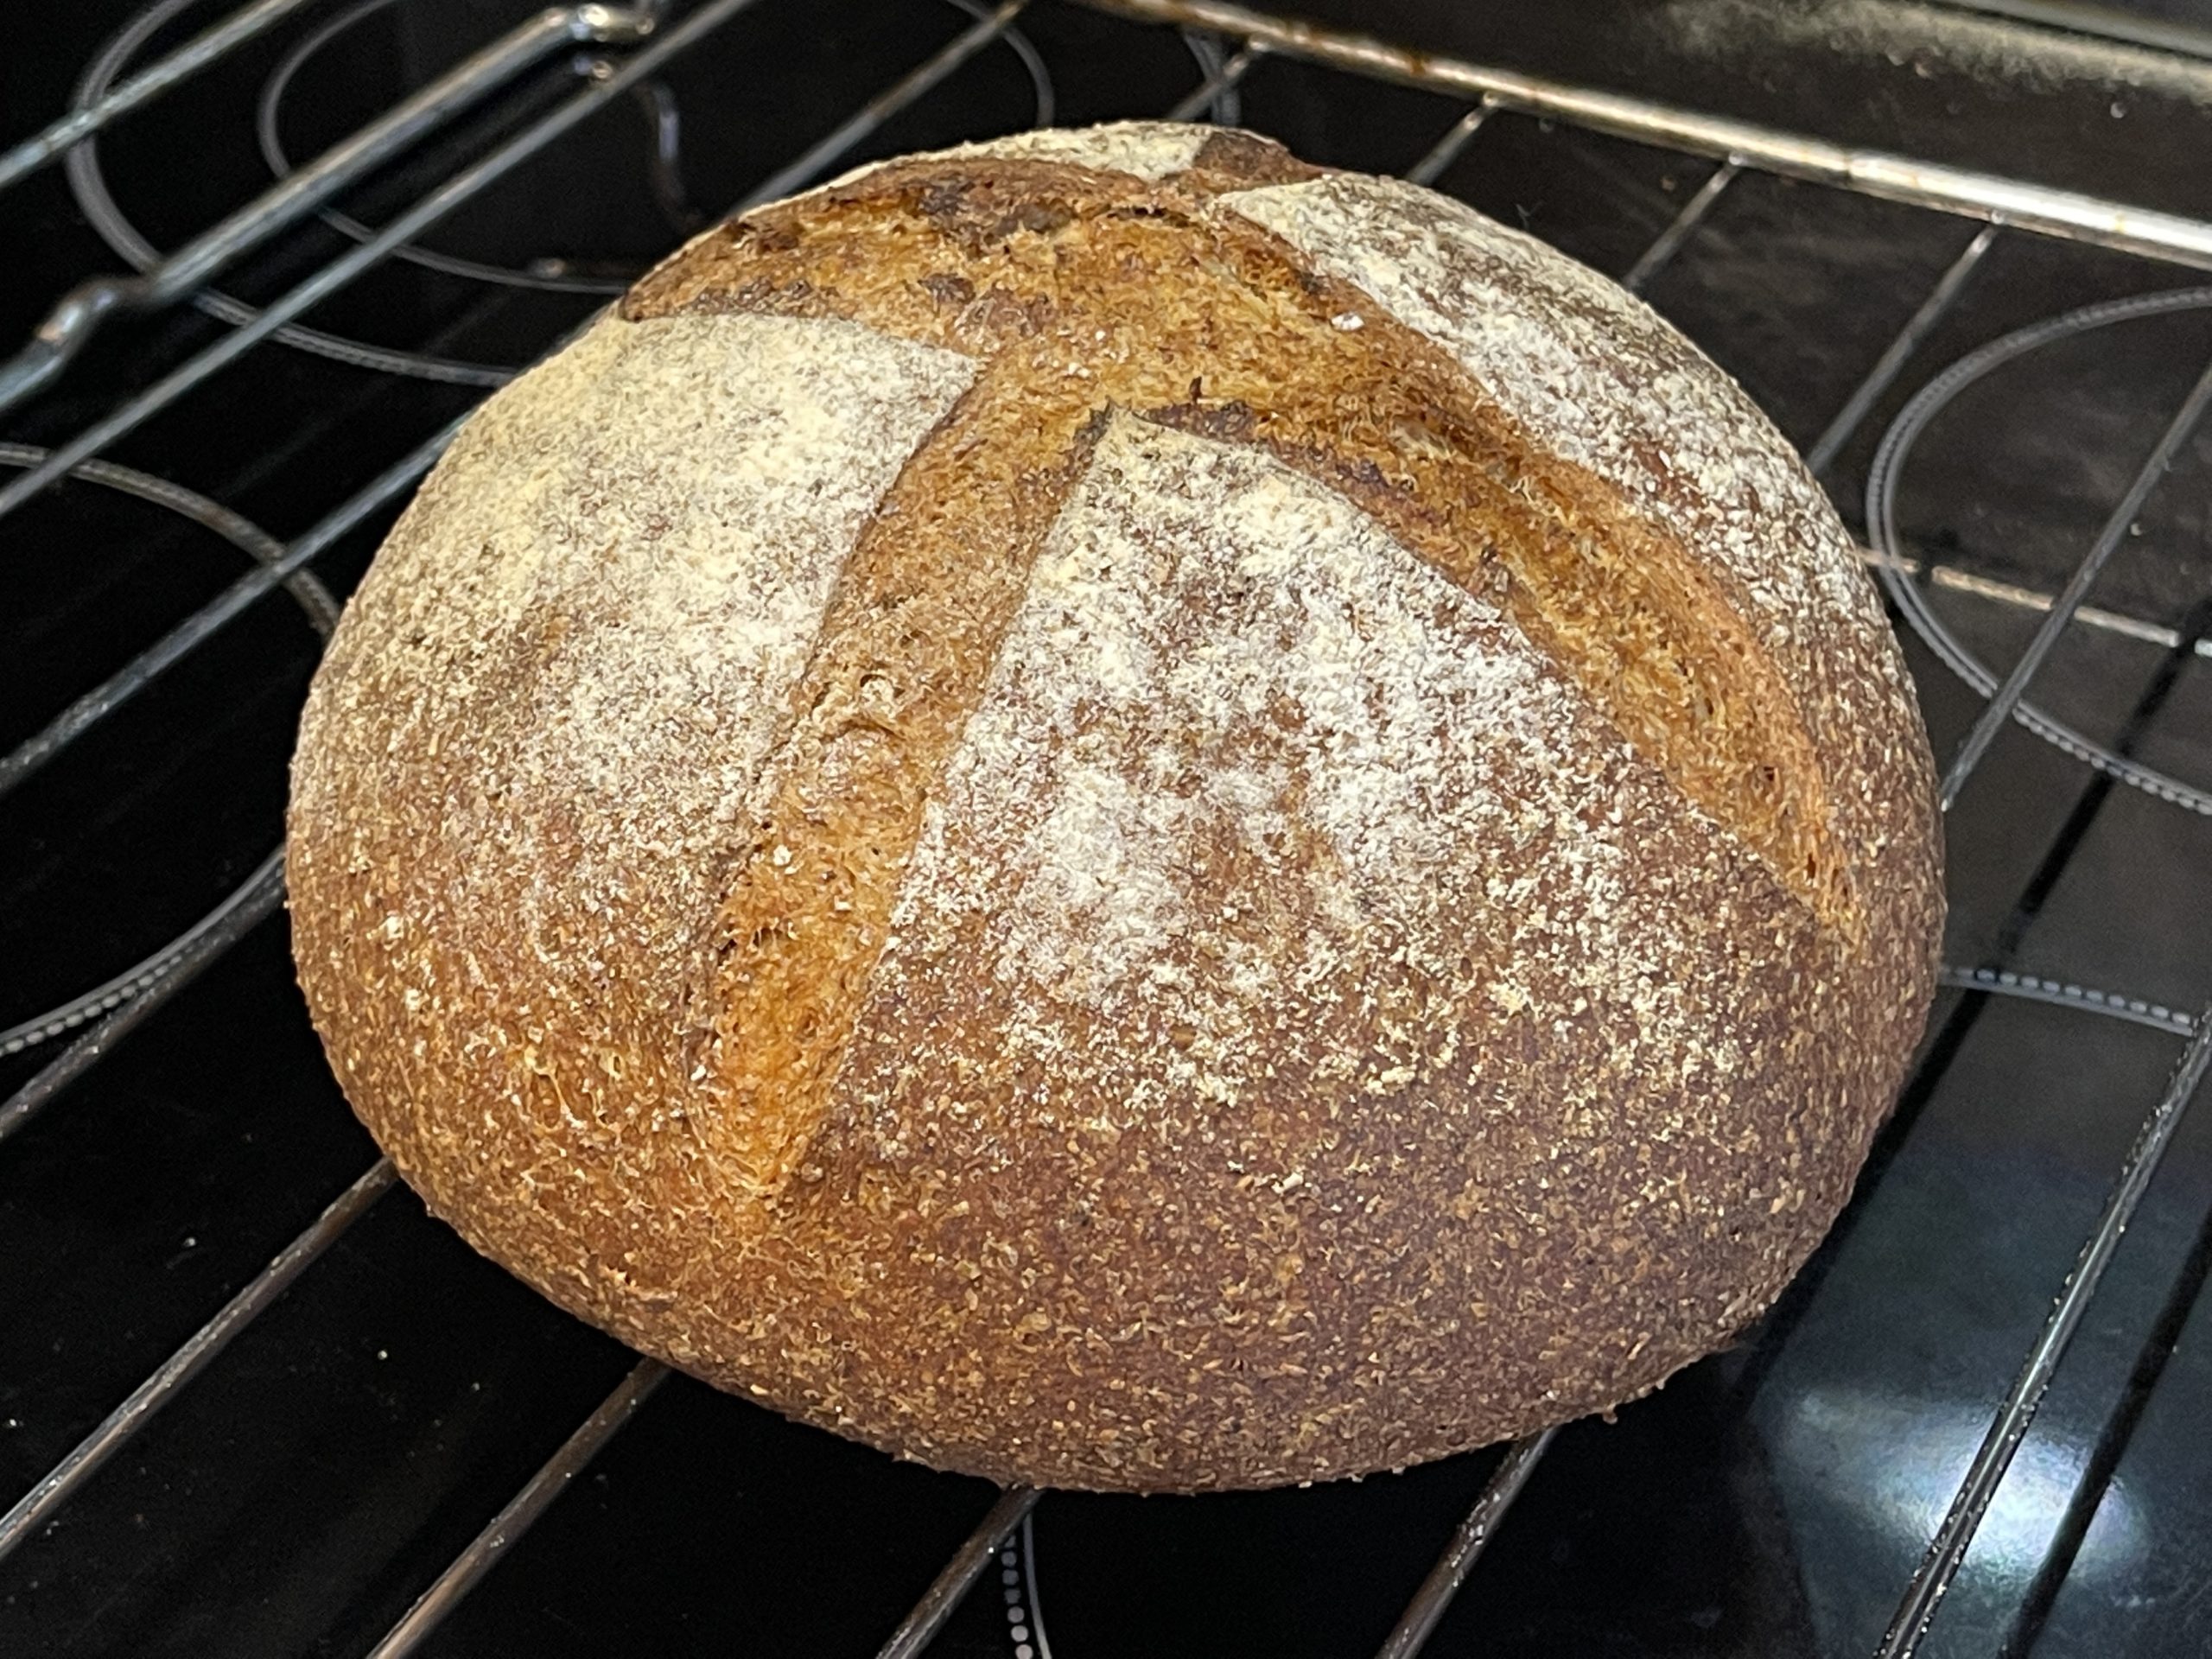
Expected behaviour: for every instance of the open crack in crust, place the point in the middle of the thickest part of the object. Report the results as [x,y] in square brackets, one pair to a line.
[1027,267]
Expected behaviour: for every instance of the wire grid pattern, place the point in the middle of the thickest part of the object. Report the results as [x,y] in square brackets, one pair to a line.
[636,40]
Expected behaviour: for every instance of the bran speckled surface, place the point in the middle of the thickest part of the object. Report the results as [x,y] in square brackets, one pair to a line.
[978,819]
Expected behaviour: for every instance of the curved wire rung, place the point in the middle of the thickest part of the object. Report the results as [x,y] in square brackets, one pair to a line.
[1893,568]
[2064,994]
[252,899]
[72,323]
[1217,96]
[90,115]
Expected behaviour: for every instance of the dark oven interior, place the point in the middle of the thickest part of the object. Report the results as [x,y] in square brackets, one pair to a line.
[358,1447]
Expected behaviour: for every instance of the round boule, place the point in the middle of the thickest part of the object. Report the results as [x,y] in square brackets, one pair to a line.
[1112,811]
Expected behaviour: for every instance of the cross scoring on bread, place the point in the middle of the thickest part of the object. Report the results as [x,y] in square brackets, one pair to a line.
[1027,267]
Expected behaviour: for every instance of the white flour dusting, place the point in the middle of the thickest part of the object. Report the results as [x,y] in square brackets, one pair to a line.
[595,609]
[1591,372]
[1215,653]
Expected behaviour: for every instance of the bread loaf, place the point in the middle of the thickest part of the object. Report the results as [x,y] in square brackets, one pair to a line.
[1112,811]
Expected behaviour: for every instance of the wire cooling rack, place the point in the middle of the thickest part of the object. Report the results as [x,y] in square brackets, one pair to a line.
[2000,634]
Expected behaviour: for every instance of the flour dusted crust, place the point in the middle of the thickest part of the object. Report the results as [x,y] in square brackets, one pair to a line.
[525,757]
[1112,812]
[1601,379]
[1144,149]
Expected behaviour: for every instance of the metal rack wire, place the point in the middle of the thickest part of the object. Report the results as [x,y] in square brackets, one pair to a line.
[627,46]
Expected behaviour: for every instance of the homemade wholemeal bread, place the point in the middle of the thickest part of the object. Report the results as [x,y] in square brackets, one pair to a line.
[1112,811]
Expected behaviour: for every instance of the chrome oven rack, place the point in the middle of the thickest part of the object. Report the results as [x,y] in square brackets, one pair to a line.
[617,52]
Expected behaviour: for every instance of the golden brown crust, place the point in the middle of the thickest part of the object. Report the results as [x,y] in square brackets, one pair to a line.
[1398,1123]
[999,260]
